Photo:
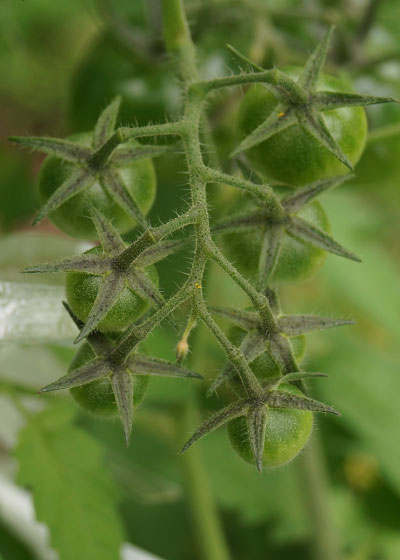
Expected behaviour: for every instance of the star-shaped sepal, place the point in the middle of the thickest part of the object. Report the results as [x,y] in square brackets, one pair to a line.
[255,341]
[289,223]
[299,103]
[100,162]
[119,374]
[119,266]
[256,408]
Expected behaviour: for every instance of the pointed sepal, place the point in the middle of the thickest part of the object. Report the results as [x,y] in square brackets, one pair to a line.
[301,197]
[307,232]
[122,385]
[217,420]
[312,69]
[328,100]
[126,154]
[243,58]
[95,369]
[109,237]
[90,263]
[257,418]
[295,325]
[140,364]
[64,149]
[79,180]
[106,122]
[113,183]
[284,399]
[312,122]
[280,119]
[110,288]
[269,254]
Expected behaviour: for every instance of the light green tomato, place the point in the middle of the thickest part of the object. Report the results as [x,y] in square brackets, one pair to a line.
[97,397]
[287,433]
[293,156]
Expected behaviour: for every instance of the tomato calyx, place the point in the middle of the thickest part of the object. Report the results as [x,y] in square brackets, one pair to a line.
[289,223]
[257,341]
[298,103]
[118,265]
[256,408]
[120,374]
[100,162]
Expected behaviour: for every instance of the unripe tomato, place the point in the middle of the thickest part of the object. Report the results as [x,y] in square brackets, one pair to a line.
[73,216]
[293,156]
[97,397]
[287,433]
[81,291]
[297,261]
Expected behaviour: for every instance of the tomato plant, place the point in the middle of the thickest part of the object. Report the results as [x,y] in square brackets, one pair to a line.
[297,134]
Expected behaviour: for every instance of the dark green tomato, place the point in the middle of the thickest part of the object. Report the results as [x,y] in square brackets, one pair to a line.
[293,156]
[81,291]
[149,90]
[97,397]
[297,261]
[264,366]
[73,217]
[287,433]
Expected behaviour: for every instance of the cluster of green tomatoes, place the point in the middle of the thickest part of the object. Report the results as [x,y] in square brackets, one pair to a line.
[115,197]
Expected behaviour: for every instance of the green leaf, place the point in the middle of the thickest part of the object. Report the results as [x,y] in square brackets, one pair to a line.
[72,492]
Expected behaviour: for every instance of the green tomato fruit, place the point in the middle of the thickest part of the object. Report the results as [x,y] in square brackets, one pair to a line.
[293,156]
[73,216]
[81,291]
[298,260]
[97,397]
[287,433]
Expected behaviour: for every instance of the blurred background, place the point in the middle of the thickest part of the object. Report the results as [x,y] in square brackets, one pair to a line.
[60,64]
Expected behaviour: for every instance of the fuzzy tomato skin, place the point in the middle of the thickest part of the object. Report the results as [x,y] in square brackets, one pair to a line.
[73,216]
[298,260]
[81,291]
[293,156]
[97,397]
[287,433]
